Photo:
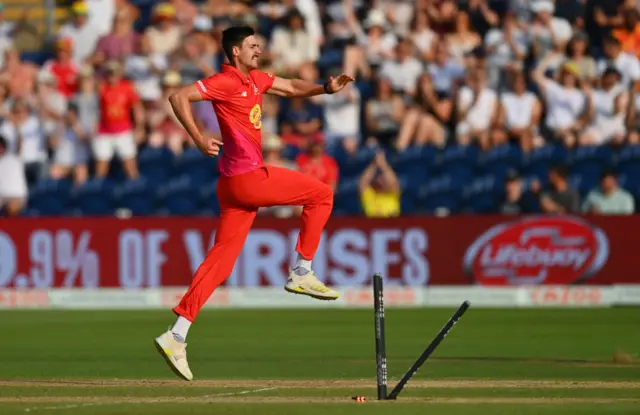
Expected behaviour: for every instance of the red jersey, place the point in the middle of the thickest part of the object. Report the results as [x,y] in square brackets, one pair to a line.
[116,103]
[66,76]
[237,102]
[324,169]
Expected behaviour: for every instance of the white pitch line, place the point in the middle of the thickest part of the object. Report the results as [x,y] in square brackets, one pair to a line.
[82,405]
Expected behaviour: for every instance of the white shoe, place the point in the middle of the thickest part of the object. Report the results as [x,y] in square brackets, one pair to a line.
[175,353]
[310,285]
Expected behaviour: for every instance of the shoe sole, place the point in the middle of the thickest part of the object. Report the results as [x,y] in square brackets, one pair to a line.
[317,297]
[167,359]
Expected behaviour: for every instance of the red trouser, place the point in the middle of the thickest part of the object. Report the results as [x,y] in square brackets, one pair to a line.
[240,197]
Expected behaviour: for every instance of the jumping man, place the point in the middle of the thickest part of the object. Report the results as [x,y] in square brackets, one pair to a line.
[246,184]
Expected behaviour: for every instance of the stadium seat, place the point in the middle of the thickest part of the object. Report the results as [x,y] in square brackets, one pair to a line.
[50,197]
[208,199]
[135,195]
[409,184]
[443,191]
[583,183]
[628,162]
[538,162]
[459,162]
[498,160]
[155,164]
[347,198]
[484,194]
[178,196]
[410,161]
[354,165]
[589,162]
[193,163]
[94,198]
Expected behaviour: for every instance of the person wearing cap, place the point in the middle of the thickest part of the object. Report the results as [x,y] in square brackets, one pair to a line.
[608,105]
[374,38]
[609,198]
[117,134]
[64,68]
[627,64]
[164,35]
[567,105]
[83,35]
[13,186]
[316,163]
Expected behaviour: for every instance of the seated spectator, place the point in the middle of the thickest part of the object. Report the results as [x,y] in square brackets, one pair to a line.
[144,69]
[566,103]
[516,200]
[463,39]
[609,198]
[342,118]
[18,75]
[442,14]
[292,46]
[119,43]
[560,198]
[164,35]
[186,12]
[426,120]
[608,111]
[628,65]
[302,117]
[71,149]
[477,110]
[316,163]
[272,155]
[13,186]
[404,70]
[84,36]
[399,13]
[378,42]
[547,32]
[445,71]
[521,111]
[23,132]
[379,189]
[578,55]
[633,114]
[166,129]
[505,49]
[384,113]
[629,33]
[50,104]
[116,133]
[424,39]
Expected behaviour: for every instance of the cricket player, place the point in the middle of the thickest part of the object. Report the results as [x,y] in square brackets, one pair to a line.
[246,184]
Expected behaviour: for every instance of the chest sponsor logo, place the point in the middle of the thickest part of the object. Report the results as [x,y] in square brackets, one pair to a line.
[255,116]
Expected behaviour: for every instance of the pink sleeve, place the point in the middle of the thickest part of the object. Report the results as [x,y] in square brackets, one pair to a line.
[263,80]
[215,88]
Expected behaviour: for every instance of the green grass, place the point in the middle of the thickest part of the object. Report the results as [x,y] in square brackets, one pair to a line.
[52,359]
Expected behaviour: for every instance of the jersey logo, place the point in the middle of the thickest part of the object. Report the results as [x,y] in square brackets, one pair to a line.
[244,94]
[270,75]
[255,116]
[255,90]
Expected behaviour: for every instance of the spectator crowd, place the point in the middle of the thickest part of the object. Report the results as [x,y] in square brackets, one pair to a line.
[470,106]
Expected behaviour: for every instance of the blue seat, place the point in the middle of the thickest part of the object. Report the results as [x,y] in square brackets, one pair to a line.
[409,161]
[459,161]
[347,198]
[208,198]
[353,165]
[137,196]
[499,160]
[538,162]
[179,196]
[583,184]
[200,168]
[589,162]
[290,152]
[484,194]
[50,197]
[630,184]
[155,164]
[94,198]
[628,161]
[443,191]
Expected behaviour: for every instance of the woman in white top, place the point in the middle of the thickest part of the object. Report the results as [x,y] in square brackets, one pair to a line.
[608,106]
[520,112]
[566,103]
[477,109]
[422,36]
[463,40]
[292,46]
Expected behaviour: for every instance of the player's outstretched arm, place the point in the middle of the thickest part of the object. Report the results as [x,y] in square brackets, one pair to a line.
[181,104]
[297,88]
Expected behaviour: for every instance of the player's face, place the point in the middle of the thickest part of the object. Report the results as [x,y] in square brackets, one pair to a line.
[250,53]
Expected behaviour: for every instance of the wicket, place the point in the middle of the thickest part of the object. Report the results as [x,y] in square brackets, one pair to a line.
[381,354]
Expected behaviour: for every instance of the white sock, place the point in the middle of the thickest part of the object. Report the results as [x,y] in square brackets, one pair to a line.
[181,328]
[303,263]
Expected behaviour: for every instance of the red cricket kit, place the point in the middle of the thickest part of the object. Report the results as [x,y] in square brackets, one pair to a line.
[324,168]
[246,184]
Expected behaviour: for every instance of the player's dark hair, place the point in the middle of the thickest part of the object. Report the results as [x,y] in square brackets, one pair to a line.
[234,36]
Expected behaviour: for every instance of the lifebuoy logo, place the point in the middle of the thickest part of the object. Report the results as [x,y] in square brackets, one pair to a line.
[537,250]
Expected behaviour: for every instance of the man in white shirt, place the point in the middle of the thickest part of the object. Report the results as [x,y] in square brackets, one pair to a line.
[403,71]
[627,64]
[83,35]
[13,186]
